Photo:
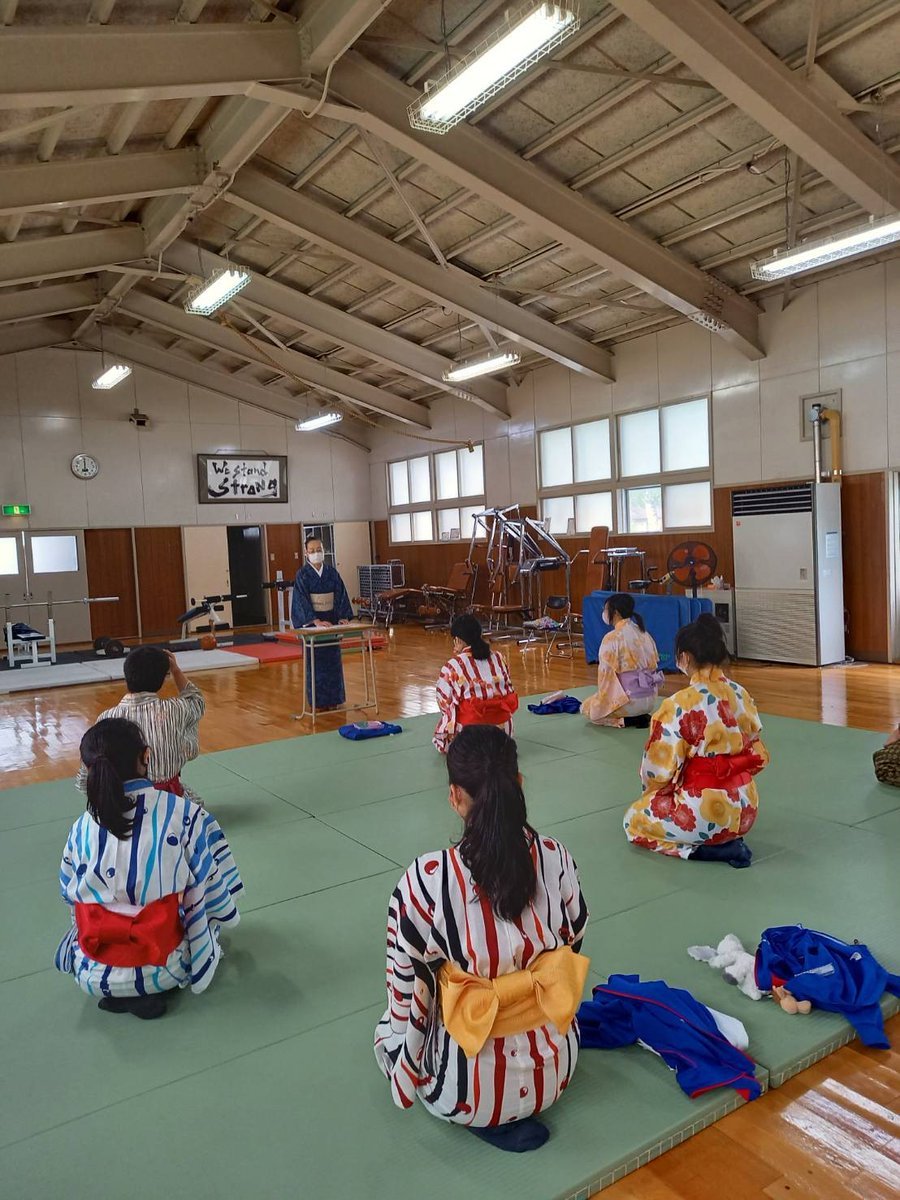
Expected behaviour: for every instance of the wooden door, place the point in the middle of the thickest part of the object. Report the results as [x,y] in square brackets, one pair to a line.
[352,549]
[207,572]
[283,553]
[160,572]
[109,554]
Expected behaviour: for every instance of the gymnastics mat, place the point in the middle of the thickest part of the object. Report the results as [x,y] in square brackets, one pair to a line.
[102,670]
[272,1069]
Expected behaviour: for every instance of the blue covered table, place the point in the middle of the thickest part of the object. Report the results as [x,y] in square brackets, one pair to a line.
[663,616]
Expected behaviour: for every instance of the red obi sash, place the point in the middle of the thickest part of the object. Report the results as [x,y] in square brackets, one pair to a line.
[173,785]
[117,940]
[723,771]
[496,711]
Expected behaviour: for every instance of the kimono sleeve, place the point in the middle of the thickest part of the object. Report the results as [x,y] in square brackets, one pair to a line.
[68,867]
[750,725]
[208,901]
[401,1033]
[573,898]
[447,694]
[666,750]
[301,607]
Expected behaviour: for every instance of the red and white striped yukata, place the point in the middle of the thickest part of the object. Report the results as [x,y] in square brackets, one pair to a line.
[436,914]
[473,691]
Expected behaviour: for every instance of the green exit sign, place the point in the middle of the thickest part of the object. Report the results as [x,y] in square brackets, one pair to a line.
[17,510]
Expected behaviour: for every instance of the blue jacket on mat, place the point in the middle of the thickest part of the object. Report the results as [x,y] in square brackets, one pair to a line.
[670,1021]
[831,974]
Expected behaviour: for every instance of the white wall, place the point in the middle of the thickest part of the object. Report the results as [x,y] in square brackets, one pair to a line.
[49,412]
[841,333]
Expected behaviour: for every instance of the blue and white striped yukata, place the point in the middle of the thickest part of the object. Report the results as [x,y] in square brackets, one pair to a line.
[175,847]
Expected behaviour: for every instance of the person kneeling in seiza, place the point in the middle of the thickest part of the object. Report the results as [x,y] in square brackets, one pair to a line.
[628,675]
[484,974]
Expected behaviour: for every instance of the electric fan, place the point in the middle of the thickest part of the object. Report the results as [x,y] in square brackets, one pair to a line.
[690,564]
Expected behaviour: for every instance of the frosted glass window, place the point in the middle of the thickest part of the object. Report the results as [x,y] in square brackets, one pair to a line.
[399,484]
[400,528]
[591,444]
[471,471]
[446,475]
[419,480]
[422,527]
[55,553]
[448,518]
[643,510]
[595,508]
[467,522]
[639,443]
[560,509]
[556,457]
[685,436]
[687,505]
[9,556]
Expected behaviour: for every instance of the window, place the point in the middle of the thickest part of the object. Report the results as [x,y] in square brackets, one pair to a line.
[657,478]
[425,495]
[9,556]
[54,553]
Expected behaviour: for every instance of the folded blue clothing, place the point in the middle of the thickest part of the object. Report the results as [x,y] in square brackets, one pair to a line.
[830,974]
[368,729]
[563,704]
[671,1022]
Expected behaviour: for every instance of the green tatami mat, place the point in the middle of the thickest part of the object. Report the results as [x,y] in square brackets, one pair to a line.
[311,1116]
[271,1071]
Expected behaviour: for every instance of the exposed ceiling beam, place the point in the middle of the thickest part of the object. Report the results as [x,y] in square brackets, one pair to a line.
[524,190]
[278,300]
[33,335]
[328,28]
[43,66]
[28,187]
[48,301]
[69,254]
[136,349]
[294,211]
[210,333]
[703,35]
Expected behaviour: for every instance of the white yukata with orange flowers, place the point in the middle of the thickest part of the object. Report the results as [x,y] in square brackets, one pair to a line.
[628,676]
[473,691]
[699,768]
[437,915]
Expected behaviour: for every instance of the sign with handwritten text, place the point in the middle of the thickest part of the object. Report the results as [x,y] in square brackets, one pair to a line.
[246,478]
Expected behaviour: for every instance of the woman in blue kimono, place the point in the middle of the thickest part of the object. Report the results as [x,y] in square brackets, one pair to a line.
[320,599]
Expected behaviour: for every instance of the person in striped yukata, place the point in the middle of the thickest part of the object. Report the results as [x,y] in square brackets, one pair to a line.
[474,687]
[170,725]
[150,880]
[484,974]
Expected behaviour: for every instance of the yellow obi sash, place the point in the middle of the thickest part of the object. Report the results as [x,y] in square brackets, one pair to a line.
[547,992]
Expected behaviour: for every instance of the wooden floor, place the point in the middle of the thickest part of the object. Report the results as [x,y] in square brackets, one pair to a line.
[831,1132]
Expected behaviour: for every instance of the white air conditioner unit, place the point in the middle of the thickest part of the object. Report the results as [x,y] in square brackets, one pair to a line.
[788,573]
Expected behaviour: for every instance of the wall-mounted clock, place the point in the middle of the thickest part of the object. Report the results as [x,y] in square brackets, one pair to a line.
[85,467]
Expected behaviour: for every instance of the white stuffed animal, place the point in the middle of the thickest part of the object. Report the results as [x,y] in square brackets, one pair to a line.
[735,963]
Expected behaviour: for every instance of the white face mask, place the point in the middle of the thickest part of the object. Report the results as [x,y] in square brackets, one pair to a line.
[317,558]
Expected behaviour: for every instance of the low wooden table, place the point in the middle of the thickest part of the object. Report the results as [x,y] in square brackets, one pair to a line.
[311,636]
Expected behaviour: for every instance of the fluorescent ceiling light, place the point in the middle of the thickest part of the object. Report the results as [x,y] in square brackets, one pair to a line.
[213,292]
[110,377]
[810,255]
[473,367]
[320,422]
[526,35]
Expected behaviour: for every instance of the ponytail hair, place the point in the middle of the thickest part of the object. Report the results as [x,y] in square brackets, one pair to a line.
[468,629]
[622,604]
[482,760]
[704,640]
[111,750]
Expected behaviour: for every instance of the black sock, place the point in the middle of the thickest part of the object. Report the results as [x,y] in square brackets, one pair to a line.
[148,1008]
[516,1137]
[638,722]
[736,853]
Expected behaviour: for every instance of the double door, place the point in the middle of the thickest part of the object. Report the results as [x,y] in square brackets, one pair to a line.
[41,568]
[222,560]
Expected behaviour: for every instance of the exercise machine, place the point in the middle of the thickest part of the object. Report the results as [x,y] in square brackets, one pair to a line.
[207,606]
[23,643]
[281,587]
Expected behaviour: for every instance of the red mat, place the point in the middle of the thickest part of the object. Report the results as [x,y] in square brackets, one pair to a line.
[267,651]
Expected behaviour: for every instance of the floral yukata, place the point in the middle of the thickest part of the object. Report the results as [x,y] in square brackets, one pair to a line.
[437,916]
[698,769]
[628,678]
[473,691]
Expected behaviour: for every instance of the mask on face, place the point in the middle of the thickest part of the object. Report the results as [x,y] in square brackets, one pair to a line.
[317,558]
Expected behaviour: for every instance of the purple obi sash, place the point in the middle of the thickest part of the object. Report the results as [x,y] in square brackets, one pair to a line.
[640,683]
